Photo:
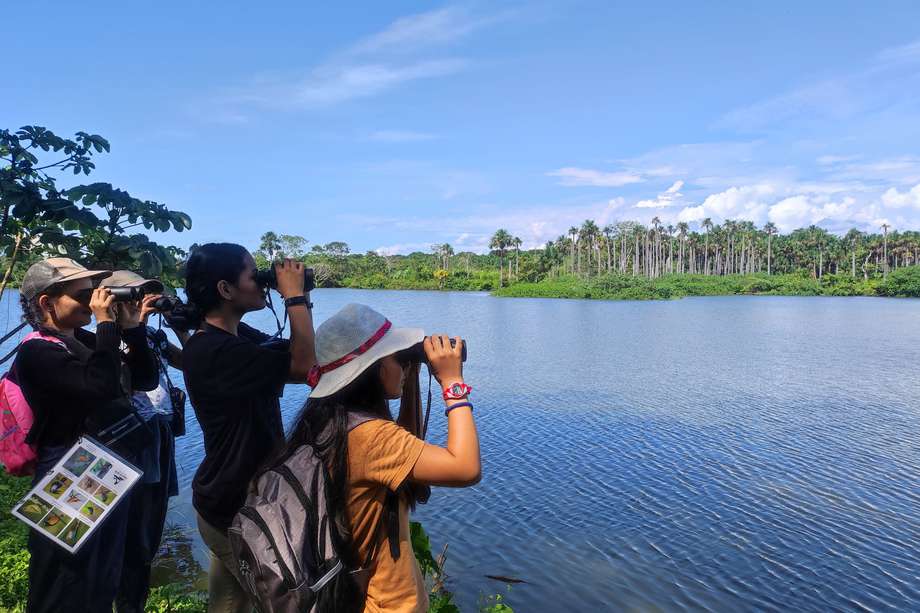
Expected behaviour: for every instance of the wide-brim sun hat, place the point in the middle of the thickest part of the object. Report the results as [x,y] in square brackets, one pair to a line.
[350,342]
[126,278]
[51,271]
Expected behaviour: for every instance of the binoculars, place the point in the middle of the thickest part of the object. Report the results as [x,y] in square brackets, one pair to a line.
[130,294]
[127,294]
[416,353]
[268,277]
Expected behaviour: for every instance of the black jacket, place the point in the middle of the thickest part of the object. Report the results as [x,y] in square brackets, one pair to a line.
[65,386]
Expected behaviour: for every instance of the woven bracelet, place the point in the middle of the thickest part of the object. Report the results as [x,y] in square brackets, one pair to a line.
[458,405]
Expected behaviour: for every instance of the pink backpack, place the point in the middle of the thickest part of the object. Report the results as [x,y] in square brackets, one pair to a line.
[17,457]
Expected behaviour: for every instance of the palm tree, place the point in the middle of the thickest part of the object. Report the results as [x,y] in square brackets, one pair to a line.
[588,234]
[707,225]
[682,228]
[500,241]
[853,237]
[885,227]
[608,230]
[517,242]
[573,233]
[770,229]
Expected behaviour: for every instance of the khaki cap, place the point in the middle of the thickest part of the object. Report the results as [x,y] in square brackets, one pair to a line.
[126,278]
[42,275]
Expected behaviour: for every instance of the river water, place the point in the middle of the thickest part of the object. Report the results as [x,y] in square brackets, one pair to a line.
[724,454]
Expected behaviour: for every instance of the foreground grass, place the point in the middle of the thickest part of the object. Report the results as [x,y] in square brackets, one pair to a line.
[901,283]
[182,596]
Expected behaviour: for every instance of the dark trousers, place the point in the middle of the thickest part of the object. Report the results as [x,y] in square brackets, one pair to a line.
[148,505]
[85,581]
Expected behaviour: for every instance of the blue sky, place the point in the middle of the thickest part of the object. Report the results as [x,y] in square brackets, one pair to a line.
[394,126]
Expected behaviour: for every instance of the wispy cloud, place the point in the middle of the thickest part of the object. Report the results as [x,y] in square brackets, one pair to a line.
[401,136]
[577,177]
[381,62]
[885,85]
[413,32]
[900,53]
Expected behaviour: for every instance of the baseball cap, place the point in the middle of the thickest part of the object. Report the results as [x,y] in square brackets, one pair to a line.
[42,275]
[126,278]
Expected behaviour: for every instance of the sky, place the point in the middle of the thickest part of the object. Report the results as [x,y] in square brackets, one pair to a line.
[397,125]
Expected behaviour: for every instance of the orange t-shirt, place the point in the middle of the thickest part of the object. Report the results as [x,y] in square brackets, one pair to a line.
[381,454]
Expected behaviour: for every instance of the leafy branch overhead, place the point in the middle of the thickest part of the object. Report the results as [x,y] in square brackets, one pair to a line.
[91,223]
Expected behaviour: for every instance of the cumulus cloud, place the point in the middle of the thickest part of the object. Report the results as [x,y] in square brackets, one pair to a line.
[578,177]
[669,197]
[897,200]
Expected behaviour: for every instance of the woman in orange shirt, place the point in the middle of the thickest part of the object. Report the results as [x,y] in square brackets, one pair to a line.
[378,469]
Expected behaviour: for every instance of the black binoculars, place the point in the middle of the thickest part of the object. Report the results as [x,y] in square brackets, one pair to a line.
[127,294]
[131,294]
[416,353]
[268,277]
[165,303]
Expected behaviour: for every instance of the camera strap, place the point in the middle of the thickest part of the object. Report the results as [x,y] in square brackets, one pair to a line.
[7,337]
[271,305]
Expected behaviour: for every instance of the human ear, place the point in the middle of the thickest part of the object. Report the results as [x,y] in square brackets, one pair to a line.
[44,302]
[223,288]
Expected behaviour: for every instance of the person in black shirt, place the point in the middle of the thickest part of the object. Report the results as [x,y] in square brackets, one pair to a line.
[234,379]
[68,388]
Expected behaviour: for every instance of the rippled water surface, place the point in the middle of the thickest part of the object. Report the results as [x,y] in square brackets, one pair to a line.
[726,454]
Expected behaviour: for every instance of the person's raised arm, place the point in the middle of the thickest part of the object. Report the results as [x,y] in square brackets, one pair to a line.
[458,464]
[303,352]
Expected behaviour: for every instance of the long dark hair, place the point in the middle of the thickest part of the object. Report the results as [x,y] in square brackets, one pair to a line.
[208,265]
[323,424]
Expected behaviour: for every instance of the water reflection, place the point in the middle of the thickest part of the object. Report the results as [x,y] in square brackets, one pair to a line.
[726,454]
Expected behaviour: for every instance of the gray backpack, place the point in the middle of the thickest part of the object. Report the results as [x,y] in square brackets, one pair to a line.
[285,541]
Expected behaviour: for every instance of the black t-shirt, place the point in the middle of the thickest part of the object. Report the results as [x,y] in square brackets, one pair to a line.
[234,384]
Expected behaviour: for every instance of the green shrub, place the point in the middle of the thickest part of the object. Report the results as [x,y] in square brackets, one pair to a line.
[902,283]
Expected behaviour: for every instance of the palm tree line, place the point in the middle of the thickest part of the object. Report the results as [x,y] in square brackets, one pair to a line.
[732,247]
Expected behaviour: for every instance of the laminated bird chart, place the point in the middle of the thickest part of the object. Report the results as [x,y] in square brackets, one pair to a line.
[74,498]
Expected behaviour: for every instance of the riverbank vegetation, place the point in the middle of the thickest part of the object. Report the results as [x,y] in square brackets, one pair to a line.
[179,581]
[654,263]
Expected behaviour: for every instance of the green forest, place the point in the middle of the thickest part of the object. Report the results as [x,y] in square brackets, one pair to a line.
[102,226]
[628,260]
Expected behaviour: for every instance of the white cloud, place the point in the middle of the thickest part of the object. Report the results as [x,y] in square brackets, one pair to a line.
[578,177]
[880,87]
[436,27]
[401,136]
[371,66]
[897,200]
[692,213]
[747,202]
[403,248]
[330,85]
[830,160]
[669,197]
[908,52]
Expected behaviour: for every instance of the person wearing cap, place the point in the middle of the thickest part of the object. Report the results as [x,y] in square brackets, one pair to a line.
[71,390]
[363,362]
[150,496]
[234,380]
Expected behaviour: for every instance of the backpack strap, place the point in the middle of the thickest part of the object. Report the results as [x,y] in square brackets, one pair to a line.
[30,337]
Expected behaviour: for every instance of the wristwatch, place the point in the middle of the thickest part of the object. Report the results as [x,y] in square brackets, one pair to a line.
[457,391]
[295,300]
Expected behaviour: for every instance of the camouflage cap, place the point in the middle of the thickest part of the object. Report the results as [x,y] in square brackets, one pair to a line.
[42,275]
